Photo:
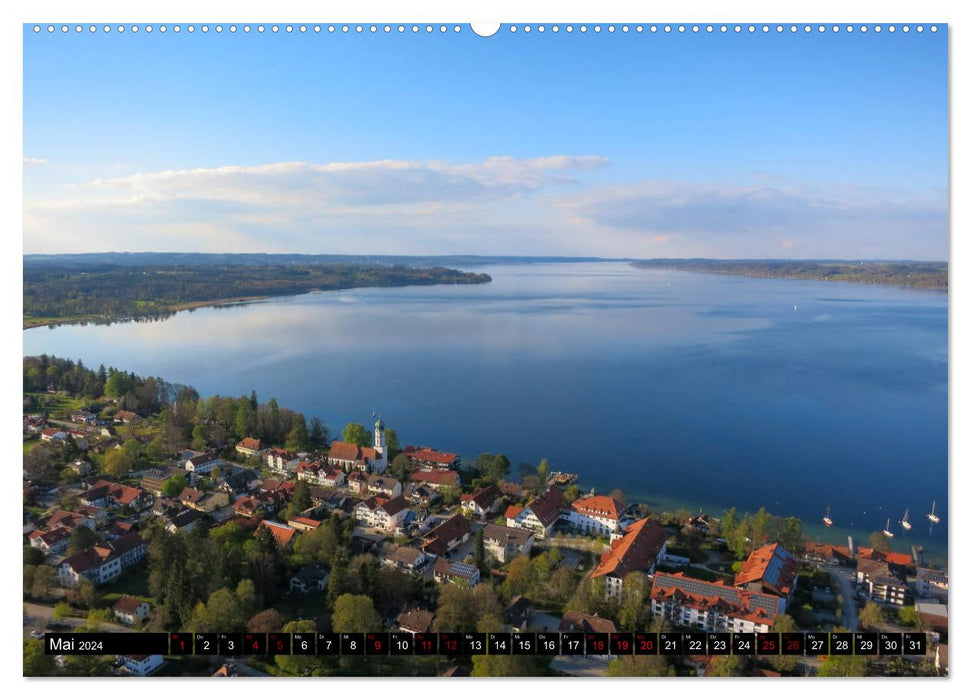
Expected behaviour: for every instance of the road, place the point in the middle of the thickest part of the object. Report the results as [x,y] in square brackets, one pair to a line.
[37,617]
[843,579]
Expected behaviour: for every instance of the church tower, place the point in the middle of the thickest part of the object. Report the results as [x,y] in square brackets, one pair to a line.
[380,446]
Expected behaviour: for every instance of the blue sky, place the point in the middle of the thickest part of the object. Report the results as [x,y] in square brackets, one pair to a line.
[645,145]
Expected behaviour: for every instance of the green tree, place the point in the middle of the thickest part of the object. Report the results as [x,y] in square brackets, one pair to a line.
[391,439]
[729,666]
[301,497]
[873,617]
[480,553]
[317,545]
[400,466]
[82,538]
[496,666]
[302,665]
[355,613]
[200,437]
[572,493]
[843,666]
[357,434]
[632,610]
[784,663]
[44,581]
[543,470]
[268,620]
[298,438]
[36,662]
[33,556]
[118,463]
[639,666]
[62,610]
[318,434]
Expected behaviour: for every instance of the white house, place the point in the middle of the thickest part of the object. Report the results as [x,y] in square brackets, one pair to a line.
[596,515]
[130,610]
[383,515]
[141,664]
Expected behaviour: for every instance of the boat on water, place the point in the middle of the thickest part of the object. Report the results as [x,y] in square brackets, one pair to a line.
[906,519]
[932,516]
[827,521]
[887,530]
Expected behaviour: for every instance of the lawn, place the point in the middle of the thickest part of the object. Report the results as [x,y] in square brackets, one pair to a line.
[134,582]
[301,607]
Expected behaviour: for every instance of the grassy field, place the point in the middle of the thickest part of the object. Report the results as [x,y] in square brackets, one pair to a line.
[134,582]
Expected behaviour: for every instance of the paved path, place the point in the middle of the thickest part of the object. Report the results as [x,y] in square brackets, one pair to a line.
[842,576]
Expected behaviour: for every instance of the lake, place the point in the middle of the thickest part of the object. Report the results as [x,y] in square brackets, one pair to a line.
[683,389]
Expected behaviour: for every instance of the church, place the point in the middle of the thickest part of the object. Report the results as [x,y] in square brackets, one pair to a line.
[348,456]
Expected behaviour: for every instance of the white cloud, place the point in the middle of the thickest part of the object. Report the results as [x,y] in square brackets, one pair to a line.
[35,161]
[500,205]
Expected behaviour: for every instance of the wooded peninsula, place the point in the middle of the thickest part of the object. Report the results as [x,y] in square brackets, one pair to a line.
[56,293]
[913,274]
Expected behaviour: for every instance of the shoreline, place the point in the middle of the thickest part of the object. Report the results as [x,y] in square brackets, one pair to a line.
[186,306]
[754,274]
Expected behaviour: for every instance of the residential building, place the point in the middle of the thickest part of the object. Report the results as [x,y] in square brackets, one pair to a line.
[303,524]
[105,494]
[153,480]
[125,417]
[427,458]
[446,571]
[382,513]
[141,664]
[80,467]
[933,617]
[53,435]
[202,463]
[542,513]
[281,461]
[129,610]
[515,616]
[52,541]
[831,554]
[881,580]
[250,447]
[482,502]
[931,583]
[447,536]
[415,621]
[506,543]
[310,579]
[380,485]
[596,515]
[283,534]
[206,502]
[576,621]
[437,479]
[770,569]
[403,557]
[712,607]
[638,550]
[103,562]
[184,521]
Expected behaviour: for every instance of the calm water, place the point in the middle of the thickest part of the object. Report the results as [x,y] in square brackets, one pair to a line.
[681,388]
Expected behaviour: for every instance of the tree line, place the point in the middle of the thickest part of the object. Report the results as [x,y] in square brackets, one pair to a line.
[109,292]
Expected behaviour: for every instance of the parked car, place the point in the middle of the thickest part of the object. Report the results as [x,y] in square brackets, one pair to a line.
[36,634]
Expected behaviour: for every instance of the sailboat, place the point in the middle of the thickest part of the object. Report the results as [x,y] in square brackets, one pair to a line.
[827,521]
[886,530]
[906,521]
[933,517]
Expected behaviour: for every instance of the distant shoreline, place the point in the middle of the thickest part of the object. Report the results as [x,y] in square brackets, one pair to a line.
[928,276]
